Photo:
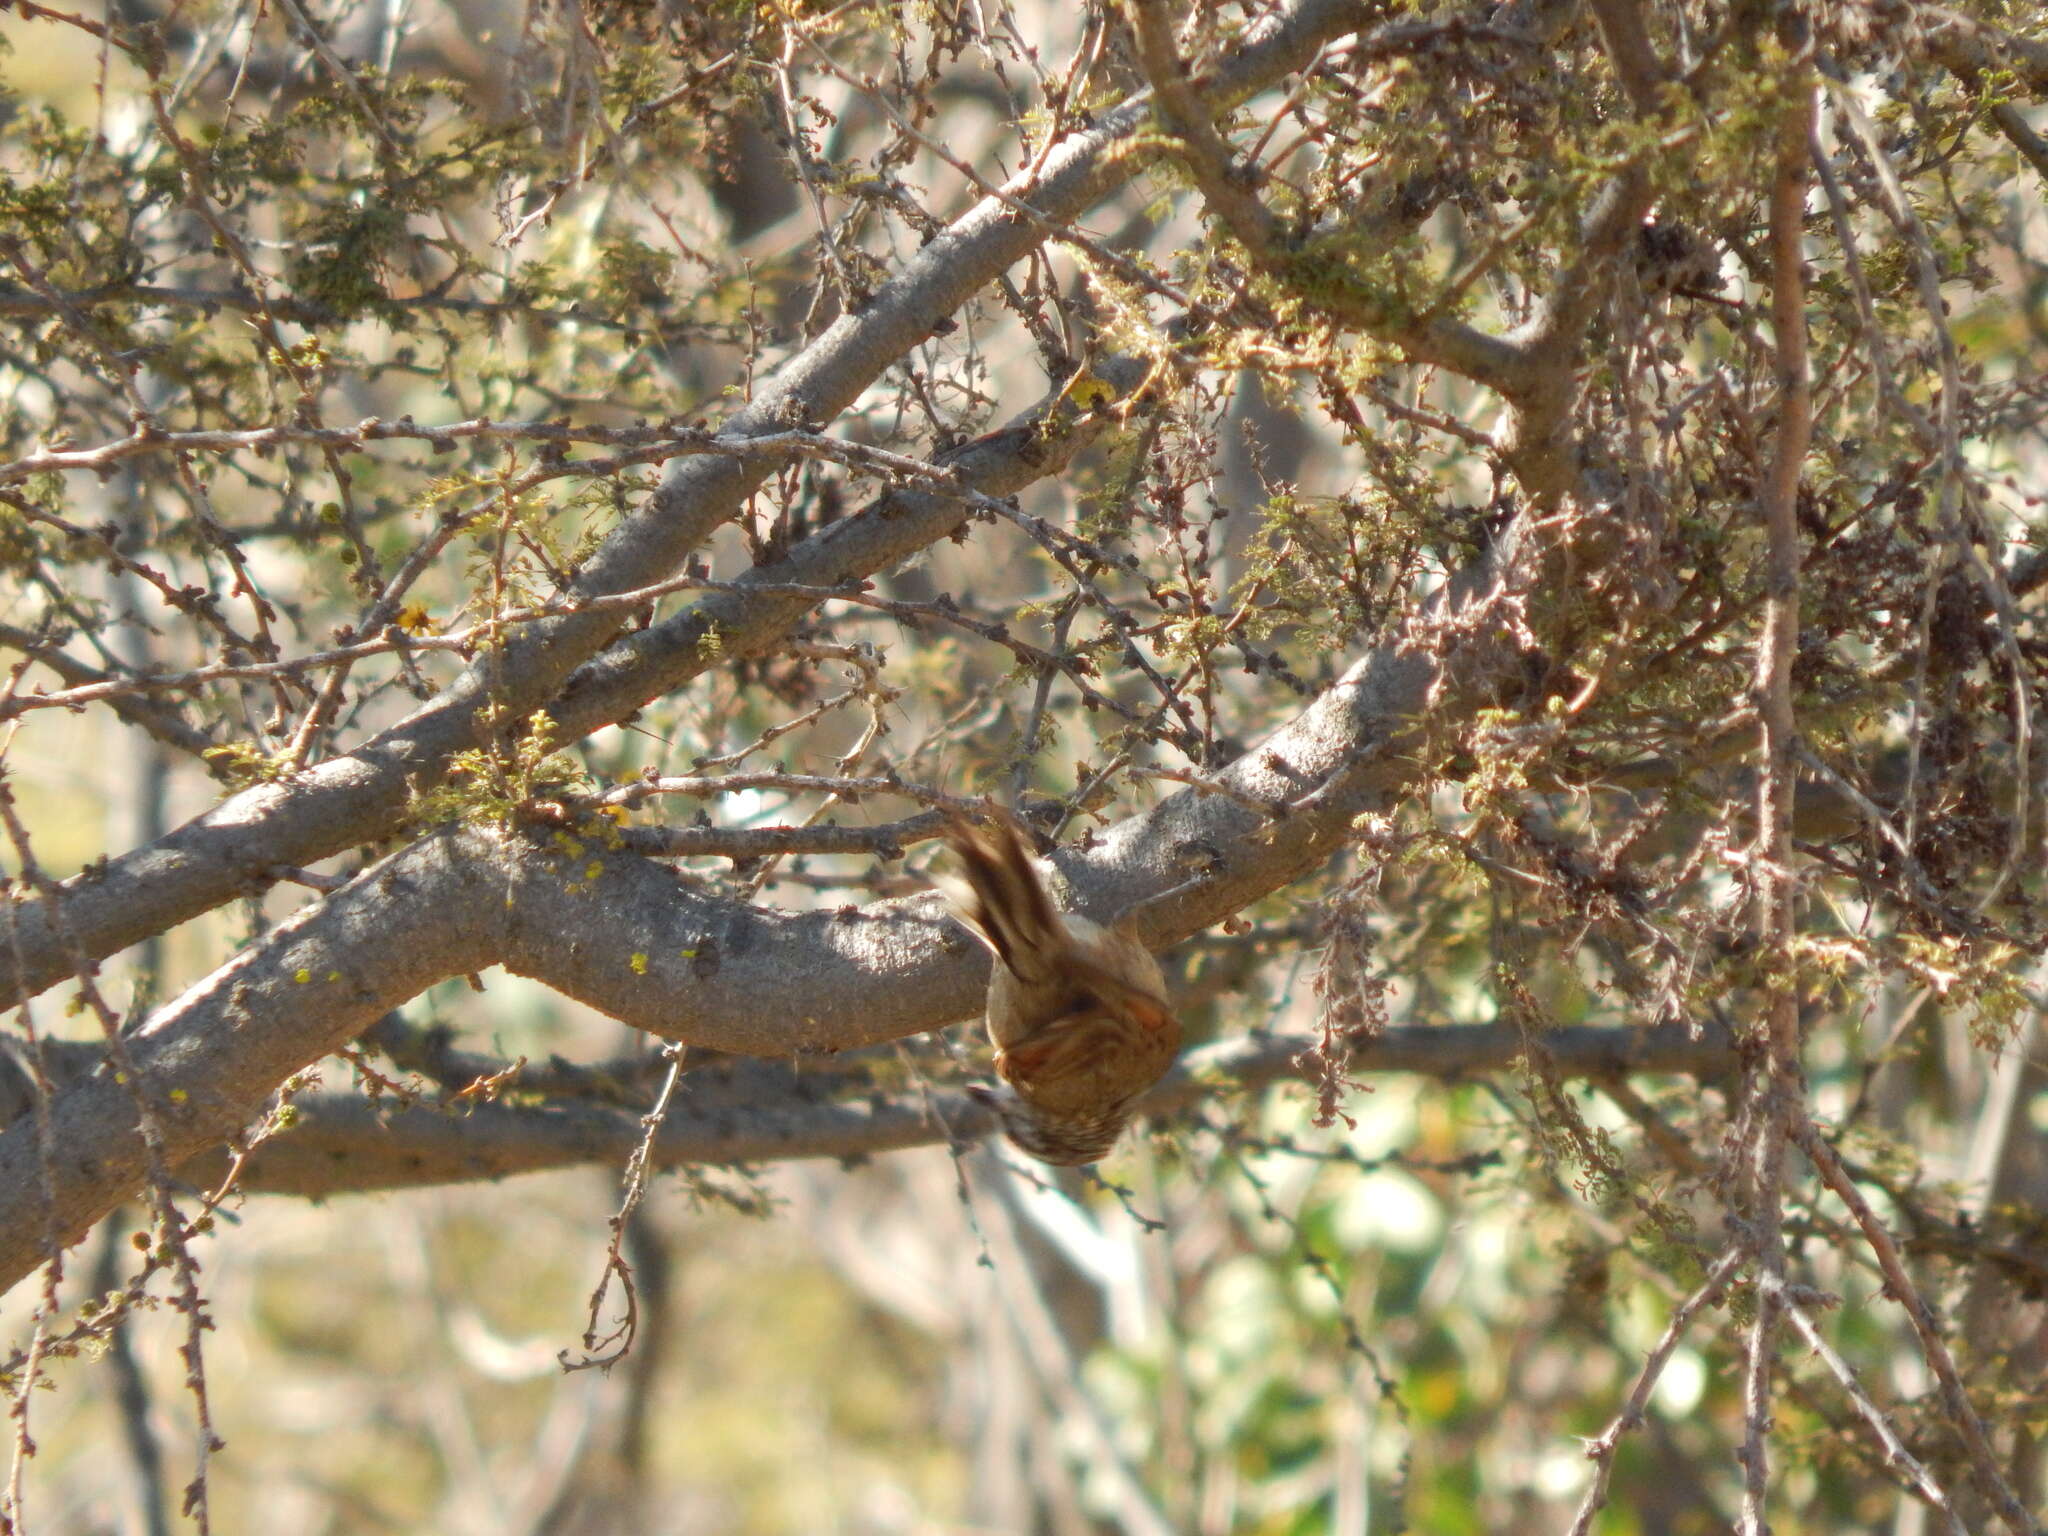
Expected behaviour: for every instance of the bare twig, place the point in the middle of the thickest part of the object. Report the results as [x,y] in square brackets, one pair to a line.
[1933,1348]
[1778,1096]
[1600,1450]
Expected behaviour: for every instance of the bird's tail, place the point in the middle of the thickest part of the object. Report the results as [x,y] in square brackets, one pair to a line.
[1003,900]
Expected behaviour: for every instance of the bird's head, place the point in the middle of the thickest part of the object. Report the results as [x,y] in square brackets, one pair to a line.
[1065,1141]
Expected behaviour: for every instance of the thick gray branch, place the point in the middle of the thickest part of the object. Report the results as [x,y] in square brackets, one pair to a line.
[344,1143]
[208,1060]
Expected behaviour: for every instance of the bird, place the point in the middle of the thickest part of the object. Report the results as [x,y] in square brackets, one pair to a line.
[1077,1012]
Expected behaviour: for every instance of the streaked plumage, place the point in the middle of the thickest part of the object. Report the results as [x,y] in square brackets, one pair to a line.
[1077,1012]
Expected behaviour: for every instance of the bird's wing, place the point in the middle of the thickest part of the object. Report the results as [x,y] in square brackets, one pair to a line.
[1090,1058]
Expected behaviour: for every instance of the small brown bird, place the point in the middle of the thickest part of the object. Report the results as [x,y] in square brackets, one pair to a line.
[1077,1012]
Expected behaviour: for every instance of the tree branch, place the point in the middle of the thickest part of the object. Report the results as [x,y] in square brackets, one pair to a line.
[345,1142]
[360,797]
[1777,1098]
[678,963]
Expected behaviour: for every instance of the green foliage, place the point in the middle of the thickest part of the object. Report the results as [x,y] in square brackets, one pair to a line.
[495,785]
